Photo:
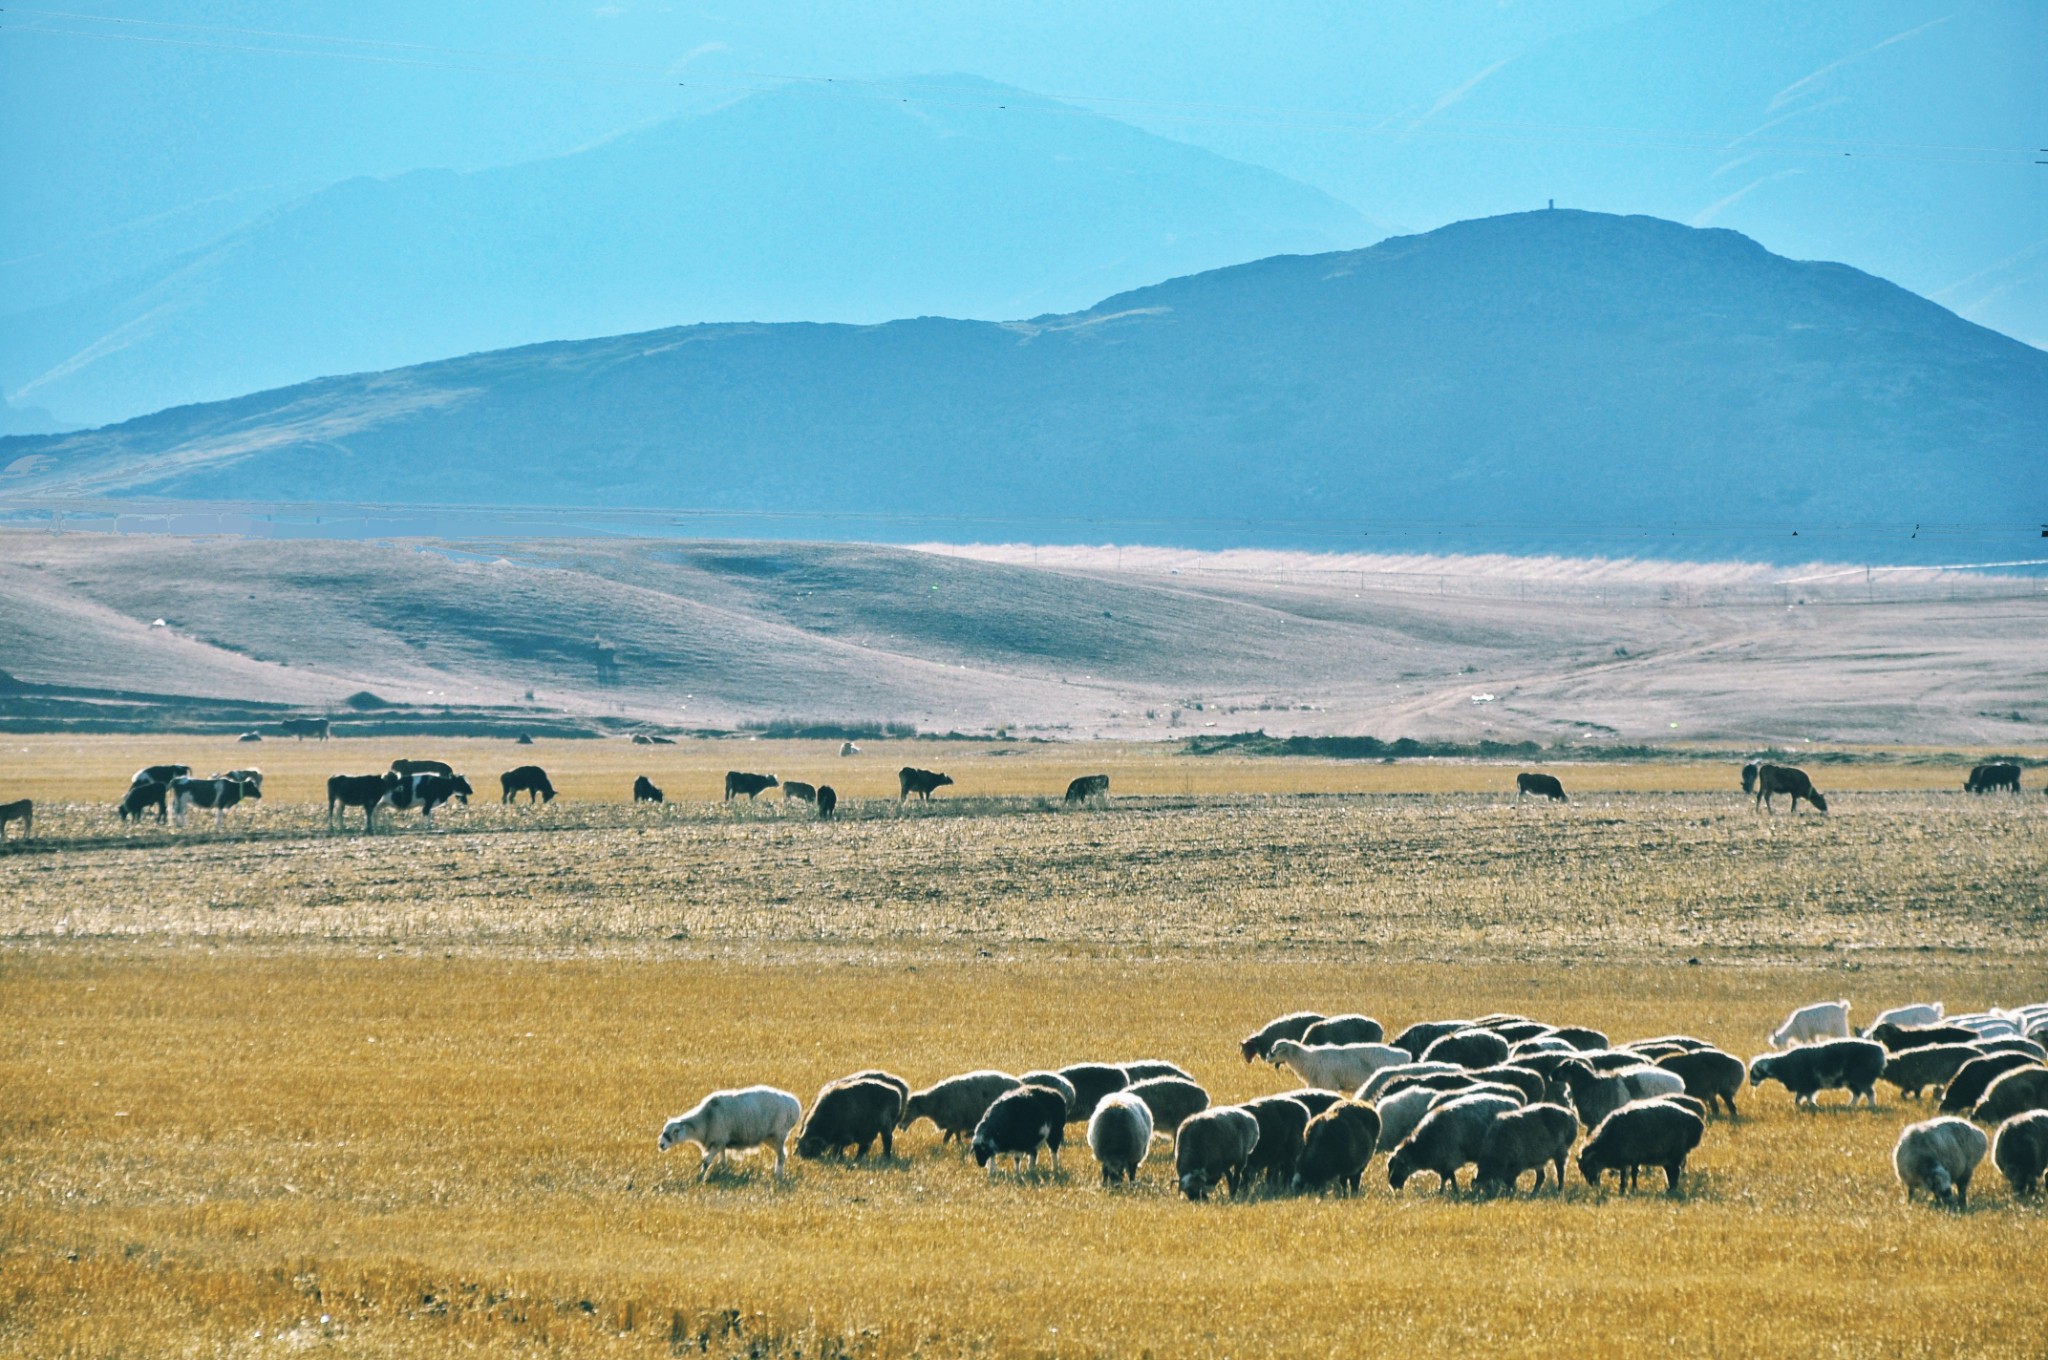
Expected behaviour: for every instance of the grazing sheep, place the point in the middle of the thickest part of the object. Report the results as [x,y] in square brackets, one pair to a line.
[2037,1051]
[1154,1067]
[2021,1151]
[1542,1043]
[1423,1033]
[1652,1133]
[1919,1013]
[1611,1060]
[1468,1048]
[1260,1043]
[1091,1082]
[1595,1095]
[851,1113]
[1213,1148]
[1172,1100]
[1344,1029]
[1336,1146]
[1335,1067]
[1519,1031]
[1315,1102]
[1647,1083]
[1821,1020]
[1669,1043]
[1387,1076]
[1916,1069]
[1546,1063]
[2016,1092]
[1055,1082]
[957,1104]
[1018,1124]
[1974,1078]
[1898,1038]
[1532,1086]
[1529,1139]
[750,1117]
[1400,1113]
[1708,1074]
[1851,1065]
[1283,1121]
[1448,1139]
[1939,1156]
[1579,1037]
[1120,1136]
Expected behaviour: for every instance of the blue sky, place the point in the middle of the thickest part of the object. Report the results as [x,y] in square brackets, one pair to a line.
[1894,135]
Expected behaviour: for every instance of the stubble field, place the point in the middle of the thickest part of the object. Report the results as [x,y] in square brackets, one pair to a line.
[284,1089]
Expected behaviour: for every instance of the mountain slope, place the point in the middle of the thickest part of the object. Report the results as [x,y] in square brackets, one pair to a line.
[1548,371]
[836,208]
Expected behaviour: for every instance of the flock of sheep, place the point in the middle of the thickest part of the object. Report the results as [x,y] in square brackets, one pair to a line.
[1503,1094]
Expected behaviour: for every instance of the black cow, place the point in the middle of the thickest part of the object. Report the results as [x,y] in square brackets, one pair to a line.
[303,728]
[796,788]
[828,799]
[911,780]
[219,793]
[1990,778]
[409,768]
[1773,779]
[738,782]
[530,780]
[645,792]
[366,791]
[1749,775]
[1088,786]
[1543,785]
[145,793]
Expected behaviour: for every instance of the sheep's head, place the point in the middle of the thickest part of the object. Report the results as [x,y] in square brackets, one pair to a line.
[677,1130]
[1939,1184]
[1762,1069]
[984,1151]
[1195,1185]
[1400,1166]
[1590,1167]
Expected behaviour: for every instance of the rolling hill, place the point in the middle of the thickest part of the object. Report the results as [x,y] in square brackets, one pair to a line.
[714,634]
[775,207]
[1549,377]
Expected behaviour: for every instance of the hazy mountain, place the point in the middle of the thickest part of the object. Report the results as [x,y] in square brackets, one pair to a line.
[1566,374]
[858,206]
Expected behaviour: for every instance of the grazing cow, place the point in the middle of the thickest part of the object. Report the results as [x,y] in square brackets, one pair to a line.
[428,791]
[798,790]
[366,791]
[911,780]
[1749,775]
[409,768]
[1772,779]
[1088,786]
[24,812]
[1542,785]
[645,792]
[1992,777]
[218,793]
[530,780]
[303,728]
[142,794]
[738,782]
[828,800]
[159,774]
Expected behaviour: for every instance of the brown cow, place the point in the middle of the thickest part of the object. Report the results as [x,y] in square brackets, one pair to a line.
[1790,779]
[911,780]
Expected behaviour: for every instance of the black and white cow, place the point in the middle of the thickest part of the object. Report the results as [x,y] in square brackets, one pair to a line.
[219,793]
[428,791]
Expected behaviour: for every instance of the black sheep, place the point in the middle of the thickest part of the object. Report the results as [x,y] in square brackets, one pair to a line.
[1091,1082]
[1282,1123]
[1018,1124]
[1708,1074]
[1649,1133]
[852,1113]
[1852,1065]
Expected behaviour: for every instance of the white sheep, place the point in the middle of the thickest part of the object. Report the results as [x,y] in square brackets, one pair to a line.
[754,1116]
[1923,1013]
[1336,1067]
[1120,1135]
[1939,1156]
[1647,1083]
[1821,1020]
[1402,1111]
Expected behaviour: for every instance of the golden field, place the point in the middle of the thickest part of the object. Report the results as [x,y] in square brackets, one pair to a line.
[284,1090]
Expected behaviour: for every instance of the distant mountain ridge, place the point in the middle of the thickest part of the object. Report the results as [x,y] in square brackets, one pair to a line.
[1542,370]
[861,207]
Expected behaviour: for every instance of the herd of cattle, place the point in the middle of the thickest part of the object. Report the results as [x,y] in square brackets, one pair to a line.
[1503,1094]
[429,784]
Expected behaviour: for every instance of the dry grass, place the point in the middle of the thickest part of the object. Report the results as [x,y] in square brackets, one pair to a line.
[410,1085]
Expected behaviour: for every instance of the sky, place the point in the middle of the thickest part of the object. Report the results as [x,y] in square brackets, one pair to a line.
[1902,137]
